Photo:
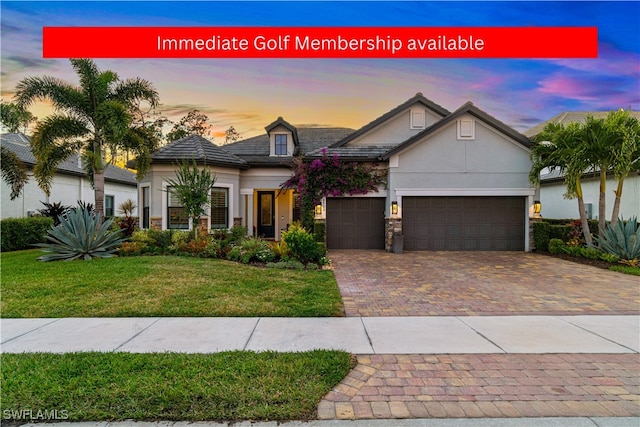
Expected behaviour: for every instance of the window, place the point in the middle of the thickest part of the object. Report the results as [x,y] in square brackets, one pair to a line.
[176,214]
[145,207]
[280,145]
[220,208]
[466,129]
[108,205]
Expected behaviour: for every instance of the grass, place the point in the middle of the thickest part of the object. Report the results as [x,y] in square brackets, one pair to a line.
[160,286]
[170,386]
[635,271]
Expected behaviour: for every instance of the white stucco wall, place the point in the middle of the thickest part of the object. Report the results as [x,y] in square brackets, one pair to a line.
[158,175]
[555,206]
[395,130]
[67,189]
[490,161]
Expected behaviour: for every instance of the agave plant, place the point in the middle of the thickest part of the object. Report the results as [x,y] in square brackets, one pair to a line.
[622,239]
[80,236]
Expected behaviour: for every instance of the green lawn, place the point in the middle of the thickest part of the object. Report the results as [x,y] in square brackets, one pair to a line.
[170,386]
[161,286]
[635,271]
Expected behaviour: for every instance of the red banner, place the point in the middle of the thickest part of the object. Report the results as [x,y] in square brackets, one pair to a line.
[320,42]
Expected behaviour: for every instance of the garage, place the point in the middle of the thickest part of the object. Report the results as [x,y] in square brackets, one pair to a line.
[464,223]
[355,223]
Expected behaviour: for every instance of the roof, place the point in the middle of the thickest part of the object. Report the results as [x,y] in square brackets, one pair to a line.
[282,122]
[199,149]
[467,108]
[20,145]
[362,153]
[571,117]
[255,150]
[418,98]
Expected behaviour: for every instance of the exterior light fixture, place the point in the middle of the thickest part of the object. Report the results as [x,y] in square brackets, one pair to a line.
[394,208]
[318,209]
[537,207]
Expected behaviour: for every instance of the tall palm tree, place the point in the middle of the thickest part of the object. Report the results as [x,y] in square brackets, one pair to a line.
[561,148]
[626,152]
[91,118]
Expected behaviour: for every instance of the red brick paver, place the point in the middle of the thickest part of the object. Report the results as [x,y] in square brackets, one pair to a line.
[487,385]
[377,283]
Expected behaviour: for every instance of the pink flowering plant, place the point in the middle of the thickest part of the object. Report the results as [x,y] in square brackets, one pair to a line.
[330,176]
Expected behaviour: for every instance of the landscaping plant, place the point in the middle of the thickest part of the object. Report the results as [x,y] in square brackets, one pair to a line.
[252,249]
[80,235]
[303,245]
[54,210]
[622,240]
[23,233]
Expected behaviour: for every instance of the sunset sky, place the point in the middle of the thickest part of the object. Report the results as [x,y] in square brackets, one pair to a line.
[251,93]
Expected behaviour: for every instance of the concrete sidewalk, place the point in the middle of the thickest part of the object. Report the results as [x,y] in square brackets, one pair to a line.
[452,422]
[358,335]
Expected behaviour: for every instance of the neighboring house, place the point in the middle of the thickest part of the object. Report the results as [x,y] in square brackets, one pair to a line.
[552,187]
[456,181]
[68,186]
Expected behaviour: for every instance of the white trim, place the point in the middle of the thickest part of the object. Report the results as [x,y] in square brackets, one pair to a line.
[418,118]
[379,193]
[246,191]
[394,161]
[164,205]
[230,211]
[470,133]
[465,191]
[141,201]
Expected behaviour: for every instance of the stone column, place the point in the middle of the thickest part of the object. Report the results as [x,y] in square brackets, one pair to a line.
[393,226]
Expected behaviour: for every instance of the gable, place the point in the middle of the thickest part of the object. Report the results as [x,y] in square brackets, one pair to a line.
[398,128]
[398,124]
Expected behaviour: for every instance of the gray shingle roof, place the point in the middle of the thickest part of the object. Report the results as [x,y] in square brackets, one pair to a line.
[19,144]
[255,150]
[353,153]
[571,117]
[195,147]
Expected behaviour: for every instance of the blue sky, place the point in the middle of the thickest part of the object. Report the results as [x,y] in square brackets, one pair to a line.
[251,93]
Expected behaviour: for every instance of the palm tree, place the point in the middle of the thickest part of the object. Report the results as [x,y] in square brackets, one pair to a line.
[14,172]
[91,118]
[561,148]
[626,152]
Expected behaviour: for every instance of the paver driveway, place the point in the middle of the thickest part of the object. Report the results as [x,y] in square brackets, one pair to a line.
[377,283]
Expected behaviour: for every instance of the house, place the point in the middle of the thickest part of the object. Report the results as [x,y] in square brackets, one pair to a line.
[456,181]
[552,187]
[69,185]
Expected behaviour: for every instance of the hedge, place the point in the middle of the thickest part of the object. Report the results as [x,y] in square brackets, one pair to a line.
[556,229]
[21,233]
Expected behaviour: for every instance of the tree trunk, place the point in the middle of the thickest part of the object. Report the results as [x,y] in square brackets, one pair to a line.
[98,186]
[616,203]
[602,203]
[583,216]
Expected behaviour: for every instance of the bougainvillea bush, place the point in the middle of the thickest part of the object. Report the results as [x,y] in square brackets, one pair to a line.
[331,176]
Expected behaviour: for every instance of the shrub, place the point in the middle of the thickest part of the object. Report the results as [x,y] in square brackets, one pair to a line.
[302,244]
[280,249]
[562,232]
[622,240]
[127,224]
[541,236]
[290,265]
[54,210]
[251,249]
[80,236]
[23,233]
[319,230]
[236,234]
[556,246]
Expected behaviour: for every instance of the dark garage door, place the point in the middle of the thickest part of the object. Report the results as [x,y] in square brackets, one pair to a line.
[355,223]
[463,223]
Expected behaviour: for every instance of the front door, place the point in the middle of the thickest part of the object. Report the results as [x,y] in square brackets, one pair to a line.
[266,214]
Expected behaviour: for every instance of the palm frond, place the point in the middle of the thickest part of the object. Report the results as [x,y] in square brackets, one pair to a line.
[14,172]
[136,89]
[64,96]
